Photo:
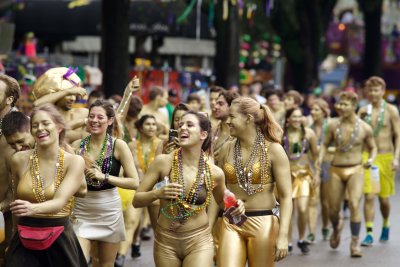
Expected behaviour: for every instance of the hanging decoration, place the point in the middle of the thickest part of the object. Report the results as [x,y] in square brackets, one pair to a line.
[198,20]
[187,12]
[78,3]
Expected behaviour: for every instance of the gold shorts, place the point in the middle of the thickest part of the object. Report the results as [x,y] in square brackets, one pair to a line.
[344,173]
[301,181]
[194,246]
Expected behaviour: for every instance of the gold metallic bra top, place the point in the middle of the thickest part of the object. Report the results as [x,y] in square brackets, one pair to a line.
[25,192]
[231,178]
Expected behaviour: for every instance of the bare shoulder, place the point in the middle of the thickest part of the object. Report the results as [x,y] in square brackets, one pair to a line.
[392,110]
[81,112]
[275,150]
[333,122]
[163,161]
[216,172]
[309,132]
[73,160]
[21,157]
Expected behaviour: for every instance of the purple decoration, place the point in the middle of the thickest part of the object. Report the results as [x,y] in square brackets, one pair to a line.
[69,72]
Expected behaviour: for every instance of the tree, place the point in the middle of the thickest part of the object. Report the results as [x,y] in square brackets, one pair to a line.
[228,46]
[372,61]
[301,26]
[114,45]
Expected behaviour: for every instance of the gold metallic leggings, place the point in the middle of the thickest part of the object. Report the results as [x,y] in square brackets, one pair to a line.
[192,248]
[254,242]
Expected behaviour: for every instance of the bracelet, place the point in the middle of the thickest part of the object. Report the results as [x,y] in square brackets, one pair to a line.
[106,178]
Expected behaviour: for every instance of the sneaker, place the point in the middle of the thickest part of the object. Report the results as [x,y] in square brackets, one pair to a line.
[384,235]
[325,234]
[135,251]
[145,234]
[119,261]
[303,246]
[310,239]
[368,241]
[290,247]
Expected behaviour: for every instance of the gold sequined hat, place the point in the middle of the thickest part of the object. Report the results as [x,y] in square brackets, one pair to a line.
[54,80]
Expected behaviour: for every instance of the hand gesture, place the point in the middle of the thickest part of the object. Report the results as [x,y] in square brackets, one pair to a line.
[134,85]
[94,173]
[21,208]
[171,146]
[170,191]
[239,210]
[77,91]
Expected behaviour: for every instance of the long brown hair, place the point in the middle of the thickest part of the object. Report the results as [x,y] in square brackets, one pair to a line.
[263,117]
[114,129]
[205,125]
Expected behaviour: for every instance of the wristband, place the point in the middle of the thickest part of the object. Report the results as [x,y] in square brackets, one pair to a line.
[106,178]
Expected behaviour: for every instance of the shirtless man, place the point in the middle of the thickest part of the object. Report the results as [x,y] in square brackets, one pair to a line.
[61,86]
[221,133]
[351,135]
[158,99]
[214,93]
[384,120]
[9,94]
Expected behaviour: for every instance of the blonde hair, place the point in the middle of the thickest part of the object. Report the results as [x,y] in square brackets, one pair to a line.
[323,105]
[263,117]
[55,116]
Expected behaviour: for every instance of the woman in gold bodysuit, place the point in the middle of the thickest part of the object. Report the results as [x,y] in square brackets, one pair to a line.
[44,181]
[297,141]
[253,164]
[184,181]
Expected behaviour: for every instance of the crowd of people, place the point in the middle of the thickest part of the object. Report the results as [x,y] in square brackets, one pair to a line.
[222,186]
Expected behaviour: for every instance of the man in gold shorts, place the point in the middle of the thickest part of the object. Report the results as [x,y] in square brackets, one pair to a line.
[384,120]
[351,135]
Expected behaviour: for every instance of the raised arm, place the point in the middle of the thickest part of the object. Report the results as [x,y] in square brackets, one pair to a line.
[55,97]
[133,86]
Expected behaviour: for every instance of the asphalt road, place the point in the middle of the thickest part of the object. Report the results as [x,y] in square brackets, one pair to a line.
[321,255]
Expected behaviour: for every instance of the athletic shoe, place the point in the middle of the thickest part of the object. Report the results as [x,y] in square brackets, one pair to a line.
[325,234]
[368,241]
[290,247]
[310,239]
[385,234]
[135,251]
[145,233]
[119,261]
[303,246]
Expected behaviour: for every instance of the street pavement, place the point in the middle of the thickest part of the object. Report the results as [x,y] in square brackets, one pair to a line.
[321,255]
